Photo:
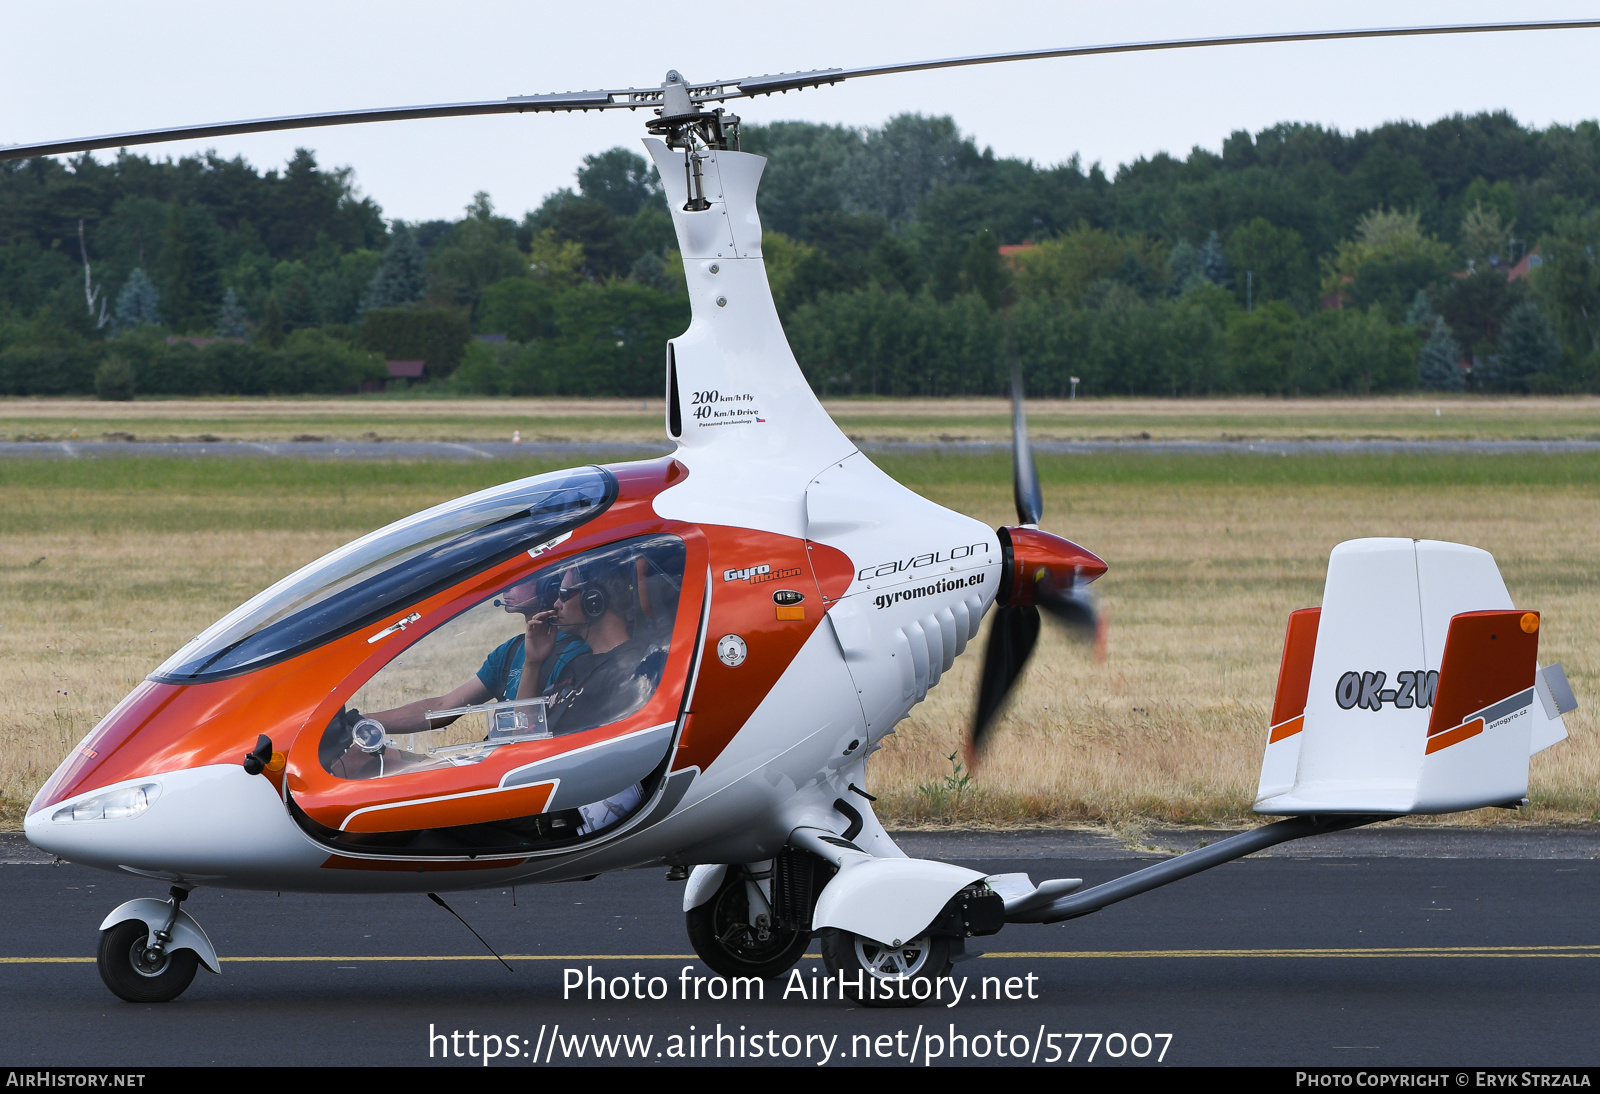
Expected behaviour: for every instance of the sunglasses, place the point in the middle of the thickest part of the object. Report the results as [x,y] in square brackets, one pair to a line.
[570,591]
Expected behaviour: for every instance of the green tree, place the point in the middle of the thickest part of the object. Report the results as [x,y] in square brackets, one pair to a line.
[294,287]
[1357,352]
[1276,259]
[189,269]
[402,278]
[479,251]
[270,331]
[1476,306]
[139,303]
[1387,261]
[622,181]
[521,308]
[438,336]
[1498,198]
[1261,346]
[1062,268]
[1568,279]
[901,163]
[1528,349]
[1439,361]
[1420,314]
[1213,261]
[114,380]
[1484,238]
[231,319]
[982,272]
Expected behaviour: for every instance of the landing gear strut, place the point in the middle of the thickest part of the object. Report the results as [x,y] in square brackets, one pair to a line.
[138,961]
[738,932]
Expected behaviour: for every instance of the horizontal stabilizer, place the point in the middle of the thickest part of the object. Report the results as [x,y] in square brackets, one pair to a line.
[1414,689]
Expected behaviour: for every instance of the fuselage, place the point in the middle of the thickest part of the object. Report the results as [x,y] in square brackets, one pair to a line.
[838,644]
[790,604]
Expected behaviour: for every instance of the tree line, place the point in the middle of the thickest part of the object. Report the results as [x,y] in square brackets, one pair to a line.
[1459,255]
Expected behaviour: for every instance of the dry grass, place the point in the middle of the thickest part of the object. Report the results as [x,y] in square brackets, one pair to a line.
[1171,727]
[98,585]
[386,418]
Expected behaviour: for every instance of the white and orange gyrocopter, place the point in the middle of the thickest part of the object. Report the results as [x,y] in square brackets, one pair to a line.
[688,661]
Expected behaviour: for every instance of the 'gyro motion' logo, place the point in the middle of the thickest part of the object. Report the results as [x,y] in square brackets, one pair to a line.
[1366,691]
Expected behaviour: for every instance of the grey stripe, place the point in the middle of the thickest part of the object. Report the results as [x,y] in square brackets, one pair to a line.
[1502,708]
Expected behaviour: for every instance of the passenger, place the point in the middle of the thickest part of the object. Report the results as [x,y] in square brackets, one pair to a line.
[585,661]
[556,632]
[537,600]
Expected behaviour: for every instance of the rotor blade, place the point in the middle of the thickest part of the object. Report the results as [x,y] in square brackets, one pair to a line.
[795,81]
[1024,473]
[1011,641]
[723,90]
[520,104]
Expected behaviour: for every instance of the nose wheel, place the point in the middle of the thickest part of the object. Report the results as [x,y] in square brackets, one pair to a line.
[140,973]
[147,955]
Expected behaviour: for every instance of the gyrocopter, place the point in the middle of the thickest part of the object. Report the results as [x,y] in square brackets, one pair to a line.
[688,661]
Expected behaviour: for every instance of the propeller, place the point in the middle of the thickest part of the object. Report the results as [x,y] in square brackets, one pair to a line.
[1042,571]
[677,100]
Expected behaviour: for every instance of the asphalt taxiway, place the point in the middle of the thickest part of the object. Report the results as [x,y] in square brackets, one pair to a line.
[1452,947]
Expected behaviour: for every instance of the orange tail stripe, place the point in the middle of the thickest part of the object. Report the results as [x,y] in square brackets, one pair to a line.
[1454,736]
[1287,729]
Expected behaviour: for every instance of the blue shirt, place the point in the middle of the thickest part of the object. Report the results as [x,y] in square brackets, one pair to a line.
[501,673]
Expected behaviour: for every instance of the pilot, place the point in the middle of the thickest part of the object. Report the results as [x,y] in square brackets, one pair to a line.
[561,625]
[585,660]
[539,601]
[618,670]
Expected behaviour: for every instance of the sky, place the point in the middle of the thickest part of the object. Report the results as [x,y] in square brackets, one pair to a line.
[88,67]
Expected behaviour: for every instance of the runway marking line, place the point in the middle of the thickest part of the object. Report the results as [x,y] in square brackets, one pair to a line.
[1376,951]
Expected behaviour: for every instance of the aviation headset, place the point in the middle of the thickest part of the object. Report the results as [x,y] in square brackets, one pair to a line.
[606,586]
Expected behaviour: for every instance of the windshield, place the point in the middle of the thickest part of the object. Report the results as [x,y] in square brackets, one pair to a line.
[390,569]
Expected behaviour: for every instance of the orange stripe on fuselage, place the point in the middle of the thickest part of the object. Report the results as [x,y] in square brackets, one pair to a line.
[1454,736]
[1287,729]
[415,866]
[472,807]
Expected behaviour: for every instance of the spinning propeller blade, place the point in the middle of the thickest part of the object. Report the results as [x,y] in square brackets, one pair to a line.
[1025,589]
[676,95]
[1011,640]
[1024,475]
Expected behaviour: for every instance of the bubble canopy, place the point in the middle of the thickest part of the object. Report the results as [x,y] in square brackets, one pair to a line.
[389,569]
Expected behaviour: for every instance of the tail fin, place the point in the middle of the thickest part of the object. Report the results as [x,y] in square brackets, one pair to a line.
[1413,689]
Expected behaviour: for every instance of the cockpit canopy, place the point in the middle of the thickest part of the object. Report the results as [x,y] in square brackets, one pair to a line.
[388,569]
[469,687]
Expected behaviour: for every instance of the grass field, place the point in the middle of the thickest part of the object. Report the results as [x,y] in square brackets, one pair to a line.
[107,566]
[412,419]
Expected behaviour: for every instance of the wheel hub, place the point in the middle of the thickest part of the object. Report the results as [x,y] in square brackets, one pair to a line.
[148,962]
[892,962]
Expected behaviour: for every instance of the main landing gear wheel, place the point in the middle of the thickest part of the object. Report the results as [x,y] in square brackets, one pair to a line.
[893,976]
[130,971]
[735,943]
